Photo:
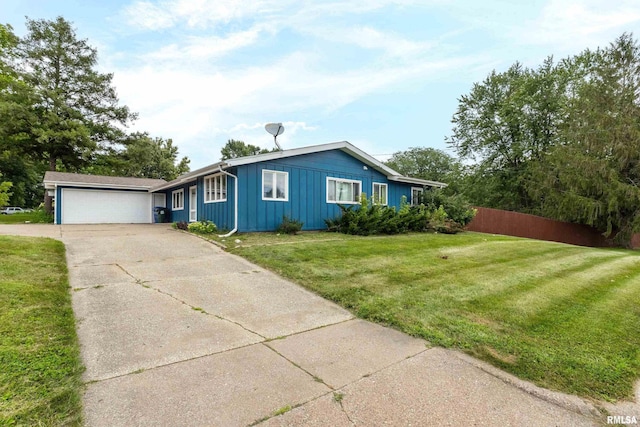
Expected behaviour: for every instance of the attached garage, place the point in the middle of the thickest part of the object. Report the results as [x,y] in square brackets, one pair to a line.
[93,199]
[81,206]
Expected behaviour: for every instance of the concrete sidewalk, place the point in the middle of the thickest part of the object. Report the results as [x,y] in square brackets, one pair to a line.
[174,331]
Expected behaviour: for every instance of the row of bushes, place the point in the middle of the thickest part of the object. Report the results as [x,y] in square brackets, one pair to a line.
[440,213]
[198,227]
[437,212]
[288,226]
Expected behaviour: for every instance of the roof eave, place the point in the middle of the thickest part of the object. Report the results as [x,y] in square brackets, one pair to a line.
[50,185]
[423,182]
[191,176]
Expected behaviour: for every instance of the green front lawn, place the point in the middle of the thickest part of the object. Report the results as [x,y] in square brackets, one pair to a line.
[37,216]
[40,366]
[565,317]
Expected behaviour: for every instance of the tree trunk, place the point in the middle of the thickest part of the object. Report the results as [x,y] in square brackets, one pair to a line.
[48,200]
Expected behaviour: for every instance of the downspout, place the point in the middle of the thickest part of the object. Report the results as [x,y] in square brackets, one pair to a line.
[235,210]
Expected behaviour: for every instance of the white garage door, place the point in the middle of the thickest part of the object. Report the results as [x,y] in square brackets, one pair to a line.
[105,207]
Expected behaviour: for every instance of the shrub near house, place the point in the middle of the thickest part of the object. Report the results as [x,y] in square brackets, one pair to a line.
[440,213]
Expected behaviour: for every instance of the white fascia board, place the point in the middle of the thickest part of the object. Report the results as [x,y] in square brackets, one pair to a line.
[419,181]
[192,176]
[49,185]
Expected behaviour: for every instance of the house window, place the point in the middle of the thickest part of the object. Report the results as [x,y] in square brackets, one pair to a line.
[416,195]
[345,191]
[215,188]
[275,185]
[380,193]
[177,198]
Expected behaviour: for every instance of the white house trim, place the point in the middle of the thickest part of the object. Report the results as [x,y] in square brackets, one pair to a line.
[274,187]
[386,190]
[174,198]
[353,181]
[418,181]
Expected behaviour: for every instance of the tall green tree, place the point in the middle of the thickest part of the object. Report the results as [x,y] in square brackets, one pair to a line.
[8,44]
[10,87]
[428,163]
[594,176]
[141,157]
[76,106]
[234,148]
[5,194]
[506,122]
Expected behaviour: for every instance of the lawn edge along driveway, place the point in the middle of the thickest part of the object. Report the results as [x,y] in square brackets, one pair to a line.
[559,315]
[40,379]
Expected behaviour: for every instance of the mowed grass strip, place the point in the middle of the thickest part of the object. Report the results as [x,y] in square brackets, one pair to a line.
[562,316]
[21,218]
[40,365]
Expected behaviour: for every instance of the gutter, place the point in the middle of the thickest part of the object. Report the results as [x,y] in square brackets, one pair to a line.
[235,210]
[48,185]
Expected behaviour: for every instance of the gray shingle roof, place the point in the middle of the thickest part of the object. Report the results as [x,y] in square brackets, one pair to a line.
[85,180]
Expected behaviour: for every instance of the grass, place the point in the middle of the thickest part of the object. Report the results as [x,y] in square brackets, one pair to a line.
[562,316]
[39,357]
[32,217]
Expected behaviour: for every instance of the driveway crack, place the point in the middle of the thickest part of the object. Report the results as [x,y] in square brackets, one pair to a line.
[144,284]
[315,377]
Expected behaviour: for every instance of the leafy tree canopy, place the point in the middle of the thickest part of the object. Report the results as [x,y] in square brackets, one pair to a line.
[562,140]
[141,157]
[77,106]
[593,177]
[505,123]
[234,149]
[5,194]
[427,163]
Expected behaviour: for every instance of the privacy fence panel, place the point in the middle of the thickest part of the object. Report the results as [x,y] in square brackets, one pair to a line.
[497,221]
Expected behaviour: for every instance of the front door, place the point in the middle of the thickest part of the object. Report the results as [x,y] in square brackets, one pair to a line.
[193,204]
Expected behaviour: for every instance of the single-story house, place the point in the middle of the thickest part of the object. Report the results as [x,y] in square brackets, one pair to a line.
[244,194]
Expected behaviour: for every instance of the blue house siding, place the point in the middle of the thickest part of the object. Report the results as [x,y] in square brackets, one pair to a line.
[307,189]
[221,213]
[397,190]
[183,214]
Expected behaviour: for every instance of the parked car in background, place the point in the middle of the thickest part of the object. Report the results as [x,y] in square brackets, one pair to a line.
[12,210]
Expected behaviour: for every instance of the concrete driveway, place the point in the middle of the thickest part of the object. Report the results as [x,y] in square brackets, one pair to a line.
[174,331]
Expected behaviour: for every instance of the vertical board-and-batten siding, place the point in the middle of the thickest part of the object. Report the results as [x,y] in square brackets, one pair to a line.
[307,189]
[220,213]
[179,215]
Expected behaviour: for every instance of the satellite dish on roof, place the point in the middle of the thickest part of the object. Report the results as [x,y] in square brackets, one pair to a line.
[275,129]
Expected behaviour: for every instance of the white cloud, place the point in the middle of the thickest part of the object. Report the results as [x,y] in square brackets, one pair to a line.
[367,37]
[186,90]
[196,13]
[580,24]
[205,47]
[148,15]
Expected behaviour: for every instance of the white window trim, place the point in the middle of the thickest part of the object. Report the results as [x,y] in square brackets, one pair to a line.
[386,190]
[204,189]
[275,178]
[331,178]
[416,188]
[173,200]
